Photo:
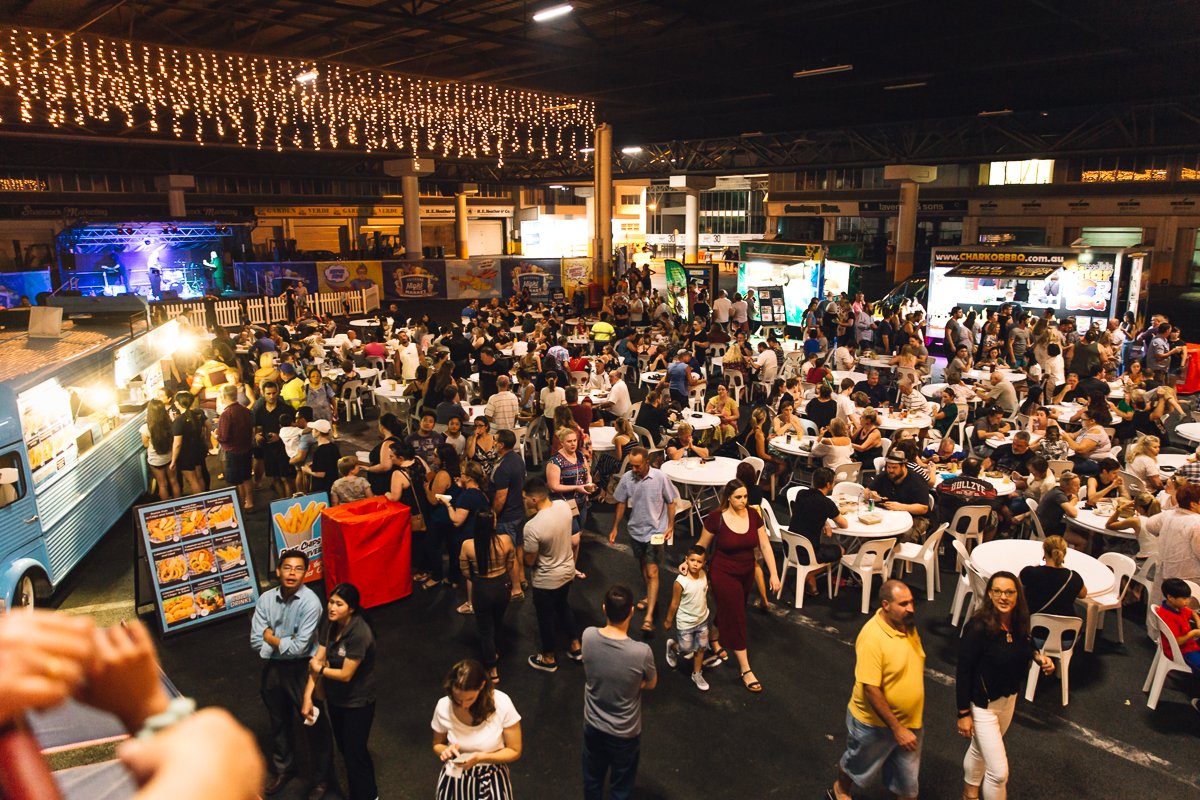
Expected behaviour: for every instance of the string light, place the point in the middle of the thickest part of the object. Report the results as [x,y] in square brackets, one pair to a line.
[260,102]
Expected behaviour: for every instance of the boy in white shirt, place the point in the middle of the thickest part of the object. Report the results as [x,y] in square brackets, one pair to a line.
[689,601]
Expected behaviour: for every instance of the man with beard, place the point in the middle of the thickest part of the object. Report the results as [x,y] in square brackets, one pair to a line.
[883,720]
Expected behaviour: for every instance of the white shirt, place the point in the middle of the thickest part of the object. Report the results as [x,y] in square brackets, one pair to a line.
[1055,370]
[846,407]
[552,400]
[410,359]
[740,311]
[720,309]
[618,395]
[487,736]
[843,358]
[768,365]
[459,443]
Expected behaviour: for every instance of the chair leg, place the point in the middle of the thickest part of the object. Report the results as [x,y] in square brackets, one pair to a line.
[1031,682]
[1153,669]
[866,591]
[838,590]
[929,578]
[1064,668]
[1089,638]
[1120,614]
[1159,678]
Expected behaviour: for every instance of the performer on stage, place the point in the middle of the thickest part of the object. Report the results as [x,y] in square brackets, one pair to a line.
[214,271]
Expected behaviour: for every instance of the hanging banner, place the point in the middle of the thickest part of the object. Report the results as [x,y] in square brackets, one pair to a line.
[199,558]
[541,277]
[576,274]
[415,280]
[472,278]
[344,276]
[296,523]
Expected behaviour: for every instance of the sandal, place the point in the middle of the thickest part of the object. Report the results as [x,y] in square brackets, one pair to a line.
[465,608]
[648,625]
[719,657]
[517,596]
[753,686]
[431,584]
[421,577]
[641,604]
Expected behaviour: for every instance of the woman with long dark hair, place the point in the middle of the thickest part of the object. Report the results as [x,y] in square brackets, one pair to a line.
[157,439]
[382,456]
[476,735]
[189,445]
[487,559]
[465,508]
[735,529]
[993,660]
[343,669]
[440,481]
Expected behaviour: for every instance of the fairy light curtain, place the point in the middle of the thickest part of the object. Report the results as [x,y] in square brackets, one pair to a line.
[80,79]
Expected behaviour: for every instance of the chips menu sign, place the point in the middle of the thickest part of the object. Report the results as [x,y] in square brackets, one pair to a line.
[296,523]
[199,559]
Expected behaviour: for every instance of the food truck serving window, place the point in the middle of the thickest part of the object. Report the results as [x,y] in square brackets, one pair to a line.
[48,427]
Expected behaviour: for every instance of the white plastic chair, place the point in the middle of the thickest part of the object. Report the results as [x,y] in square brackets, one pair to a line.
[1038,533]
[847,488]
[925,554]
[769,520]
[879,462]
[886,444]
[1059,467]
[758,464]
[351,398]
[968,524]
[850,473]
[1132,482]
[1123,568]
[873,558]
[696,397]
[793,543]
[964,589]
[809,427]
[1161,666]
[1056,627]
[736,385]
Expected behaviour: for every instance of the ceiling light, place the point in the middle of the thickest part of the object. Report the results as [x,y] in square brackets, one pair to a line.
[631,151]
[558,186]
[913,85]
[552,12]
[587,149]
[808,73]
[998,113]
[308,75]
[566,107]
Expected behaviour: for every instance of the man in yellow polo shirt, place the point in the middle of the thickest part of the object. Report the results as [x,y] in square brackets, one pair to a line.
[603,332]
[883,720]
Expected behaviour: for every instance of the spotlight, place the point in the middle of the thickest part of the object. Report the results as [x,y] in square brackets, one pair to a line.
[308,75]
[553,12]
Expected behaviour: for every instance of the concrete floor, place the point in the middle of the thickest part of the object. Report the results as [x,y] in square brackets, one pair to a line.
[727,743]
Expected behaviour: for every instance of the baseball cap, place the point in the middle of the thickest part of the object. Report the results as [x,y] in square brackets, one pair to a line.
[320,425]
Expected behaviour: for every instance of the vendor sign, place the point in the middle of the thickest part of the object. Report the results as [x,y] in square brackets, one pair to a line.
[198,557]
[296,523]
[472,278]
[413,280]
[349,276]
[540,277]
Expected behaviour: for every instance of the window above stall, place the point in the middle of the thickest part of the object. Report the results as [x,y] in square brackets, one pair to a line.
[1006,173]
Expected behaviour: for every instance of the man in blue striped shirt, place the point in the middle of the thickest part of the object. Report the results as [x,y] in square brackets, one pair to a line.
[284,633]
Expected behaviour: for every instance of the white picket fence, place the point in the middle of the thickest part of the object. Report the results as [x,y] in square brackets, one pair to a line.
[266,310]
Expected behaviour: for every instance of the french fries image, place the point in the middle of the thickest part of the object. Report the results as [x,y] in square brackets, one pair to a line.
[296,523]
[220,515]
[171,569]
[229,555]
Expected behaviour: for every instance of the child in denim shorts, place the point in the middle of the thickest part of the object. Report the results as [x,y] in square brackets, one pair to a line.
[689,602]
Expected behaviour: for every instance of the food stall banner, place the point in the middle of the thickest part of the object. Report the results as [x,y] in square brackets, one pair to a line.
[540,276]
[199,558]
[576,274]
[415,280]
[369,543]
[296,522]
[349,276]
[677,296]
[769,308]
[472,278]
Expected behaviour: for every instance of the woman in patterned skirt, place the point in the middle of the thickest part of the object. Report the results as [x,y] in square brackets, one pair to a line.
[476,735]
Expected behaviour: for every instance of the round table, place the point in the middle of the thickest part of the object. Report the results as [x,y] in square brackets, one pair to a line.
[877,363]
[1173,460]
[891,523]
[888,422]
[984,375]
[717,472]
[798,446]
[840,375]
[581,340]
[473,411]
[934,392]
[1189,431]
[602,439]
[1007,438]
[336,341]
[700,420]
[1116,390]
[366,323]
[393,395]
[1014,555]
[364,373]
[1092,521]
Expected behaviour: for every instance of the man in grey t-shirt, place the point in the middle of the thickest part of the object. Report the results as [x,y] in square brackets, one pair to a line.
[550,557]
[617,669]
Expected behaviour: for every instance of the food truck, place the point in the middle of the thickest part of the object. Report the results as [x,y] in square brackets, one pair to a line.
[1071,281]
[785,276]
[71,456]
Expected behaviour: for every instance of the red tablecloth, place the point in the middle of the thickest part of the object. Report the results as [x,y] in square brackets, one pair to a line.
[1189,382]
[369,543]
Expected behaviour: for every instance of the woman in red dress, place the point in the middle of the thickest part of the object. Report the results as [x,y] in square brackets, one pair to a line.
[735,530]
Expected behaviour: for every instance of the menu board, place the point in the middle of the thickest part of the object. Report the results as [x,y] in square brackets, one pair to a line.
[199,560]
[48,429]
[296,522]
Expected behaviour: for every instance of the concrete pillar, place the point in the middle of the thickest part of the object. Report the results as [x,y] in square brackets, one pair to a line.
[909,176]
[1054,231]
[460,225]
[970,231]
[603,201]
[409,171]
[588,193]
[829,233]
[691,226]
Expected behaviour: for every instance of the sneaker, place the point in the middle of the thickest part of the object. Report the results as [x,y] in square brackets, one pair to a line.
[576,655]
[698,679]
[536,662]
[672,654]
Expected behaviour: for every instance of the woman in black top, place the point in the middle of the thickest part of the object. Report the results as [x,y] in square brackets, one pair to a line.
[993,660]
[1051,588]
[189,446]
[381,459]
[343,669]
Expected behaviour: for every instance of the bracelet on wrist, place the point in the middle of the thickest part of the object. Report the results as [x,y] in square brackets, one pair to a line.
[178,709]
[964,714]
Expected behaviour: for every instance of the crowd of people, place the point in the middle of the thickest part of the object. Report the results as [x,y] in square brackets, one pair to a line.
[1029,397]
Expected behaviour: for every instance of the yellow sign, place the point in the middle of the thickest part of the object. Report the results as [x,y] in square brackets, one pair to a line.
[342,276]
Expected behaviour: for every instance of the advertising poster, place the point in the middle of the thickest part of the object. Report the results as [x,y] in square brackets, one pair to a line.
[15,285]
[271,278]
[539,276]
[415,280]
[576,274]
[349,276]
[199,559]
[296,523]
[472,278]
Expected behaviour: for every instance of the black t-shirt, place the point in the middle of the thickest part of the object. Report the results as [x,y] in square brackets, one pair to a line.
[1042,583]
[488,373]
[880,393]
[357,643]
[675,443]
[810,510]
[510,475]
[268,419]
[821,412]
[474,501]
[1005,459]
[654,420]
[187,426]
[324,459]
[911,491]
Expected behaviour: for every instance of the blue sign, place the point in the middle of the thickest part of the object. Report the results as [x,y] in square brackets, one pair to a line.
[296,523]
